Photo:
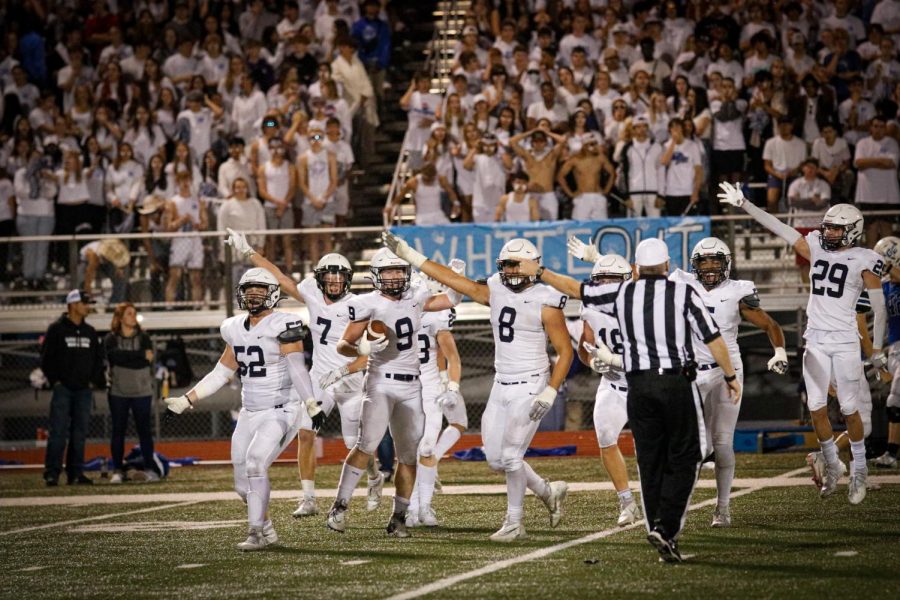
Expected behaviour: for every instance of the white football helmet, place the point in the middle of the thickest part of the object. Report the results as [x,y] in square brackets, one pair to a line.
[714,249]
[257,277]
[889,249]
[513,252]
[847,217]
[335,264]
[385,260]
[611,267]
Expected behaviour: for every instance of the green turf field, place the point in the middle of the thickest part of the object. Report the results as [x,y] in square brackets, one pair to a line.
[786,542]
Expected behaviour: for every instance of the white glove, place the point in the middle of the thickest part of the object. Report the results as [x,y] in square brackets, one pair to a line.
[315,412]
[731,194]
[398,246]
[603,354]
[329,379]
[879,359]
[178,404]
[238,241]
[580,250]
[779,363]
[449,399]
[541,403]
[367,348]
[457,265]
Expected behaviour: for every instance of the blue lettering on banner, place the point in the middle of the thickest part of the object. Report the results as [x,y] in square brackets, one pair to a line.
[479,245]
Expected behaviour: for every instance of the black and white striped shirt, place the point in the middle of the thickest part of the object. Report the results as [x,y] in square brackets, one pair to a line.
[657,318]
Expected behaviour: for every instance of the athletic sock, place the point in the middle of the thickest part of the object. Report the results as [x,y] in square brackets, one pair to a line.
[309,488]
[400,505]
[349,478]
[893,449]
[372,468]
[425,477]
[516,482]
[536,483]
[858,452]
[625,496]
[829,451]
[258,501]
[414,498]
[448,437]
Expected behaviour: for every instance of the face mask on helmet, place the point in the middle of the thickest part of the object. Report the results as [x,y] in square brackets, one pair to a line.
[710,269]
[833,237]
[510,277]
[256,297]
[610,277]
[334,281]
[392,281]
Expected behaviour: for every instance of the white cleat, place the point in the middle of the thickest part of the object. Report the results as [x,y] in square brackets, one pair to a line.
[509,532]
[629,512]
[886,461]
[721,518]
[268,532]
[830,479]
[816,462]
[306,508]
[376,486]
[556,501]
[255,541]
[856,491]
[116,477]
[412,519]
[337,517]
[427,517]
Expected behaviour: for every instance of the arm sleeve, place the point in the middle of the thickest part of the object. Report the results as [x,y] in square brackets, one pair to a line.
[702,323]
[770,222]
[876,298]
[299,375]
[213,382]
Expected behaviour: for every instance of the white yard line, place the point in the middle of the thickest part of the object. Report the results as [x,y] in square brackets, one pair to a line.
[96,518]
[782,480]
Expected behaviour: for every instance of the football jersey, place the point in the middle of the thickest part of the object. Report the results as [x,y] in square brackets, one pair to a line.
[606,329]
[724,305]
[327,323]
[520,342]
[263,370]
[403,319]
[836,282]
[892,300]
[432,324]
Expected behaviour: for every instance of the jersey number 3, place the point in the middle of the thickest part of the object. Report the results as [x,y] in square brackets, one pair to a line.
[254,368]
[836,274]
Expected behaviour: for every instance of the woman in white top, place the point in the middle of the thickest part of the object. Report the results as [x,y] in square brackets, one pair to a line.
[166,111]
[518,206]
[427,189]
[144,135]
[155,80]
[438,150]
[230,85]
[578,131]
[658,117]
[96,162]
[156,181]
[183,162]
[337,107]
[73,194]
[34,216]
[106,130]
[82,111]
[123,186]
[243,213]
[569,92]
[465,179]
[603,95]
[454,116]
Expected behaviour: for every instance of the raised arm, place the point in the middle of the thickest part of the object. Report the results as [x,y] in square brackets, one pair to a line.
[732,194]
[238,241]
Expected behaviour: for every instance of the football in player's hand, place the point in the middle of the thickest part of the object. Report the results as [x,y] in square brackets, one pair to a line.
[376,330]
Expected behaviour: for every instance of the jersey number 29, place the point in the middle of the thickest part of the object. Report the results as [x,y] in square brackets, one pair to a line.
[836,274]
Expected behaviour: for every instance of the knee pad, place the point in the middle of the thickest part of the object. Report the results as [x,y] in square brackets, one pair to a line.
[893,414]
[426,447]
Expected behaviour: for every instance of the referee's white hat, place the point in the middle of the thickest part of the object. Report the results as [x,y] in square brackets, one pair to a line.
[651,252]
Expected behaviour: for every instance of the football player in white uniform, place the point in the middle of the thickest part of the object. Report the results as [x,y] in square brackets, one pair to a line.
[339,381]
[524,314]
[440,397]
[839,273]
[393,395]
[265,348]
[610,404]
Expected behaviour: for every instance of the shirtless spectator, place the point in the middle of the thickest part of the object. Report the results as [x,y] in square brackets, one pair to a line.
[589,198]
[541,164]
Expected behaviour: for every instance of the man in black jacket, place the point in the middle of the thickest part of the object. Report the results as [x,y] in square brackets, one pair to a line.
[72,360]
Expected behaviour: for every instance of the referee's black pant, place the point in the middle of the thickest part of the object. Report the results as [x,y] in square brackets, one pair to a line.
[665,416]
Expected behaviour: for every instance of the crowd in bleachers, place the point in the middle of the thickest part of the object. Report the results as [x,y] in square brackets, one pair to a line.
[181,115]
[640,108]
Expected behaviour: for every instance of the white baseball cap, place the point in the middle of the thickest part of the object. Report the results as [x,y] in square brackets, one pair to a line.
[651,252]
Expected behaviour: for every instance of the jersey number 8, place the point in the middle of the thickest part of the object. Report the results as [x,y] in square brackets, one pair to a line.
[505,330]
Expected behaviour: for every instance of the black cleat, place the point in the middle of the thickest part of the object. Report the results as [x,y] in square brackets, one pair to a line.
[667,549]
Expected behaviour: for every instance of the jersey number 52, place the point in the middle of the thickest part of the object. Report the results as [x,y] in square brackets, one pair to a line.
[255,368]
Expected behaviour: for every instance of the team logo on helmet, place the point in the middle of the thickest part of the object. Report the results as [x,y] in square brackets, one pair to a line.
[256,303]
[711,262]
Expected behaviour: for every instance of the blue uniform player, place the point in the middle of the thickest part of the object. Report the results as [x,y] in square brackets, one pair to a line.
[889,248]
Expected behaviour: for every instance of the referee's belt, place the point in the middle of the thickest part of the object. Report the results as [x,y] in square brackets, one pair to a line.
[401,376]
[619,388]
[708,367]
[676,371]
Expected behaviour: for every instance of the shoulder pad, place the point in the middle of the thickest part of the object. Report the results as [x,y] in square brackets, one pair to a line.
[751,300]
[295,332]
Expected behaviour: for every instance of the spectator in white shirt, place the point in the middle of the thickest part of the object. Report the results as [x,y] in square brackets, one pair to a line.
[728,143]
[144,135]
[578,38]
[876,159]
[343,154]
[833,156]
[693,62]
[214,64]
[234,168]
[782,156]
[243,212]
[248,109]
[883,72]
[809,193]
[642,175]
[684,171]
[181,66]
[618,74]
[548,108]
[855,112]
[194,124]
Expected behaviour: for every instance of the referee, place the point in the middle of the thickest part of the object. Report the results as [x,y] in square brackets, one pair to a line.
[660,321]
